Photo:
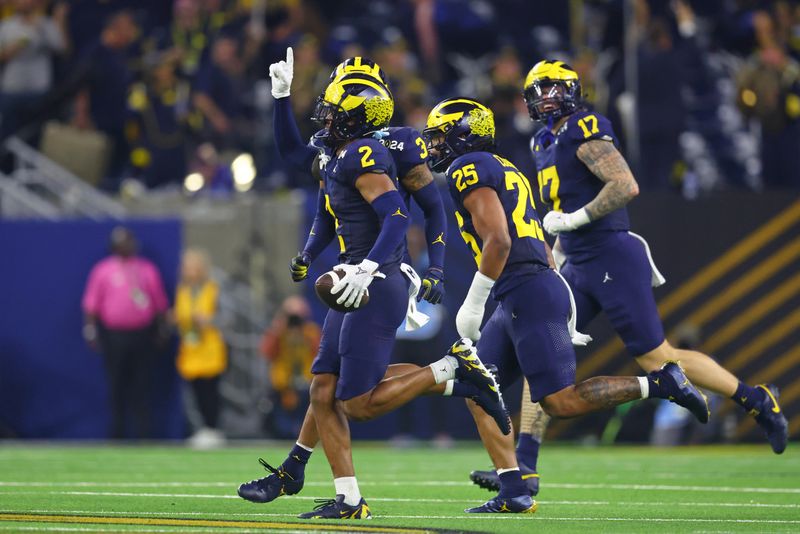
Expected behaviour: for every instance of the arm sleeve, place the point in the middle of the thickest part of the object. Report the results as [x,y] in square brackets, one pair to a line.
[290,146]
[392,212]
[430,201]
[323,229]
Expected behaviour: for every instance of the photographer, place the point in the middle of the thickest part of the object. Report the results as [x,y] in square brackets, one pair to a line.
[289,345]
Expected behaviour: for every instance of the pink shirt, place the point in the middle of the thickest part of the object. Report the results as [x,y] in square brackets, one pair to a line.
[125,293]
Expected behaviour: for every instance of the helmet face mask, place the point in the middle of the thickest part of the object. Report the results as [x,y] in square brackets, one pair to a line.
[352,106]
[552,91]
[457,126]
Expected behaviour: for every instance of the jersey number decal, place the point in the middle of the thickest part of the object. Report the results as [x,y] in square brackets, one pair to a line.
[469,239]
[525,227]
[589,125]
[366,161]
[468,172]
[421,144]
[549,174]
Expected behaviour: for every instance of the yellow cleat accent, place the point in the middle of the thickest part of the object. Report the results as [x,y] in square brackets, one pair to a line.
[775,407]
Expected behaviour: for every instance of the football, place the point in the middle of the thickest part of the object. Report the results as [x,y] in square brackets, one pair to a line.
[323,287]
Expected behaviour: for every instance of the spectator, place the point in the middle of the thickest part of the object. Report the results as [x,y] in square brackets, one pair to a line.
[158,110]
[202,355]
[661,110]
[105,78]
[290,345]
[124,305]
[218,92]
[217,176]
[769,92]
[28,40]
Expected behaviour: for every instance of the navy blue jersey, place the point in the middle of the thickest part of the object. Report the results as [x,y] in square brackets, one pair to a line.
[357,224]
[566,184]
[483,169]
[405,145]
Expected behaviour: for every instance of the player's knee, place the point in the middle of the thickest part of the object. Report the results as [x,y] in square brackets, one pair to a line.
[561,405]
[323,389]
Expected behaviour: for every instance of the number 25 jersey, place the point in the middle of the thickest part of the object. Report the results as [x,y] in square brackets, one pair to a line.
[482,169]
[566,184]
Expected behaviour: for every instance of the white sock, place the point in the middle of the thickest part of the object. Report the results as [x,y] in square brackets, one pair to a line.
[309,449]
[506,470]
[448,388]
[444,369]
[644,385]
[348,486]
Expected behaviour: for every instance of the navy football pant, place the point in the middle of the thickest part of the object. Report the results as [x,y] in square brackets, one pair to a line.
[528,334]
[618,282]
[358,345]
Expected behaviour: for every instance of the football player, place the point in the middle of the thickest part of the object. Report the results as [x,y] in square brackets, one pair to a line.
[360,206]
[529,332]
[587,183]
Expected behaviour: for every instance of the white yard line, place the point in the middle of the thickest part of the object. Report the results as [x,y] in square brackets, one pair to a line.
[554,485]
[541,517]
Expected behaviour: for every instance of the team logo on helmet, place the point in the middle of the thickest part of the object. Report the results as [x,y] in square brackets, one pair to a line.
[457,126]
[351,106]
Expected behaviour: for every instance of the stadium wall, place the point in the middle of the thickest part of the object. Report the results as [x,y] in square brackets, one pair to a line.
[51,384]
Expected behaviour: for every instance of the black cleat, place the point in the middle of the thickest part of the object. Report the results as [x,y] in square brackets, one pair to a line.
[471,370]
[770,418]
[515,505]
[337,509]
[271,487]
[671,379]
[490,481]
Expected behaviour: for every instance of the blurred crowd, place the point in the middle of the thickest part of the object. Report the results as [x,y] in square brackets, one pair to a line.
[703,94]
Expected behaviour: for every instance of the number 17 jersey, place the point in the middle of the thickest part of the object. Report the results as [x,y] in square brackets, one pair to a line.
[482,169]
[567,185]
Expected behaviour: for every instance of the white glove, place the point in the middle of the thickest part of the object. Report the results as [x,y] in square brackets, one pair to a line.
[556,222]
[470,314]
[281,74]
[355,282]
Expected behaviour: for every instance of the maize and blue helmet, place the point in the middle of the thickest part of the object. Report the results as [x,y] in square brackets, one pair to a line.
[552,90]
[352,106]
[360,65]
[457,126]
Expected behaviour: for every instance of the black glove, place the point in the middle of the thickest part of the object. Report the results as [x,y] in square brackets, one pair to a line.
[299,267]
[432,288]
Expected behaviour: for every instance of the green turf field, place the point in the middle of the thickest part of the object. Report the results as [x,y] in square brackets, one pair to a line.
[619,489]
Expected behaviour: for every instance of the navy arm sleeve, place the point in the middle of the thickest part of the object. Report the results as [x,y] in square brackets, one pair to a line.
[430,202]
[390,209]
[290,145]
[323,230]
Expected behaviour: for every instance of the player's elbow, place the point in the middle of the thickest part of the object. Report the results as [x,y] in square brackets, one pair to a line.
[633,189]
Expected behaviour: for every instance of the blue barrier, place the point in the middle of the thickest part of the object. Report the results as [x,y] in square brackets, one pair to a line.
[51,384]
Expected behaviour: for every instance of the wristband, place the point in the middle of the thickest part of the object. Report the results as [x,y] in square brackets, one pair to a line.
[479,291]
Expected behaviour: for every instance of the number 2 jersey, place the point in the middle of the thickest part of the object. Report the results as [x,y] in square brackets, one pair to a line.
[405,145]
[483,169]
[405,150]
[566,184]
